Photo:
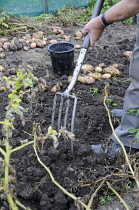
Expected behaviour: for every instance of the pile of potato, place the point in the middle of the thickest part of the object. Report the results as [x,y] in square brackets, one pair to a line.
[91,73]
[26,42]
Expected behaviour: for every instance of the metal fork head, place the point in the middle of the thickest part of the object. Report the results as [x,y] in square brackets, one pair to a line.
[63,106]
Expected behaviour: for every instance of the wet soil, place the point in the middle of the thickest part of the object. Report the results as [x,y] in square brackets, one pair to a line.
[35,188]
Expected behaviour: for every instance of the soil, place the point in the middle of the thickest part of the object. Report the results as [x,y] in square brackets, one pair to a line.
[35,188]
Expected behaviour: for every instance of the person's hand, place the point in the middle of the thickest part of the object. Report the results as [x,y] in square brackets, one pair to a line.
[94,28]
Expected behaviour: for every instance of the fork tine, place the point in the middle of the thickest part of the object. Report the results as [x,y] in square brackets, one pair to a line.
[60,112]
[72,120]
[66,117]
[53,110]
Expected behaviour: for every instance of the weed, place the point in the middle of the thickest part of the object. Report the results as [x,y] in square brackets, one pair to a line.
[94,90]
[133,111]
[109,100]
[102,200]
[114,104]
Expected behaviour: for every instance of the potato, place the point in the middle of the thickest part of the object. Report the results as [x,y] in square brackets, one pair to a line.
[44,39]
[55,31]
[2,89]
[2,55]
[60,31]
[77,46]
[6,45]
[40,44]
[106,76]
[98,69]
[13,46]
[41,87]
[78,38]
[115,65]
[3,40]
[33,45]
[38,35]
[67,38]
[94,75]
[2,69]
[127,53]
[88,67]
[52,41]
[78,34]
[85,79]
[56,87]
[101,65]
[44,42]
[111,70]
[25,48]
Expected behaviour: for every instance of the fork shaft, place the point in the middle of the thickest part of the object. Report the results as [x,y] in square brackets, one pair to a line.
[76,72]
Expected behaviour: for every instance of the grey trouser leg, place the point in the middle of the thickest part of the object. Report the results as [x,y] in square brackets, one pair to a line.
[131,101]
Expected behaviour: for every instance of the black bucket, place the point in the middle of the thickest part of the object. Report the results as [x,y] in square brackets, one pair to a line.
[62,57]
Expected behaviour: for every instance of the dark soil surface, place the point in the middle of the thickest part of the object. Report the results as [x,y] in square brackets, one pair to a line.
[35,188]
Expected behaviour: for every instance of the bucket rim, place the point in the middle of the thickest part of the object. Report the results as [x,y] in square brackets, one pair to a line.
[61,43]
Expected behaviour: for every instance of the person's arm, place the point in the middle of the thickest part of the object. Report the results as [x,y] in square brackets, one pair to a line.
[120,11]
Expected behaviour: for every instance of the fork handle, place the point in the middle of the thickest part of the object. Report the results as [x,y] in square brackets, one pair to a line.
[96,12]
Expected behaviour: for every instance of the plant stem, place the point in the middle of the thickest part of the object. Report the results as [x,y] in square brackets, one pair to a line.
[52,178]
[6,174]
[116,193]
[20,147]
[121,144]
[21,205]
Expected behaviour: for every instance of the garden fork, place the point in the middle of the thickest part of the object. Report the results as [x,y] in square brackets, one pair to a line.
[66,96]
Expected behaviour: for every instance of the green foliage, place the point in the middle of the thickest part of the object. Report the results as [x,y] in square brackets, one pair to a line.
[4,21]
[94,90]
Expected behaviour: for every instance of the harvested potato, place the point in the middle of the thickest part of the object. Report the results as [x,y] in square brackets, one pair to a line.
[95,75]
[33,45]
[40,44]
[44,39]
[106,76]
[52,41]
[56,87]
[67,38]
[54,31]
[98,69]
[41,87]
[25,48]
[101,65]
[38,35]
[77,46]
[2,89]
[78,34]
[112,70]
[88,67]
[85,72]
[85,79]
[2,40]
[2,55]
[115,65]
[2,69]
[127,53]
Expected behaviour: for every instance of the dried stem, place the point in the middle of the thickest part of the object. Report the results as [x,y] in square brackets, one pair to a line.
[116,193]
[121,144]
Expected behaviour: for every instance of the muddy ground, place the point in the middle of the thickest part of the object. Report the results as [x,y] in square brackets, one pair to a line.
[72,171]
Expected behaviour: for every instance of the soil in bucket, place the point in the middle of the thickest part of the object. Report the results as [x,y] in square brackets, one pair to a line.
[62,57]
